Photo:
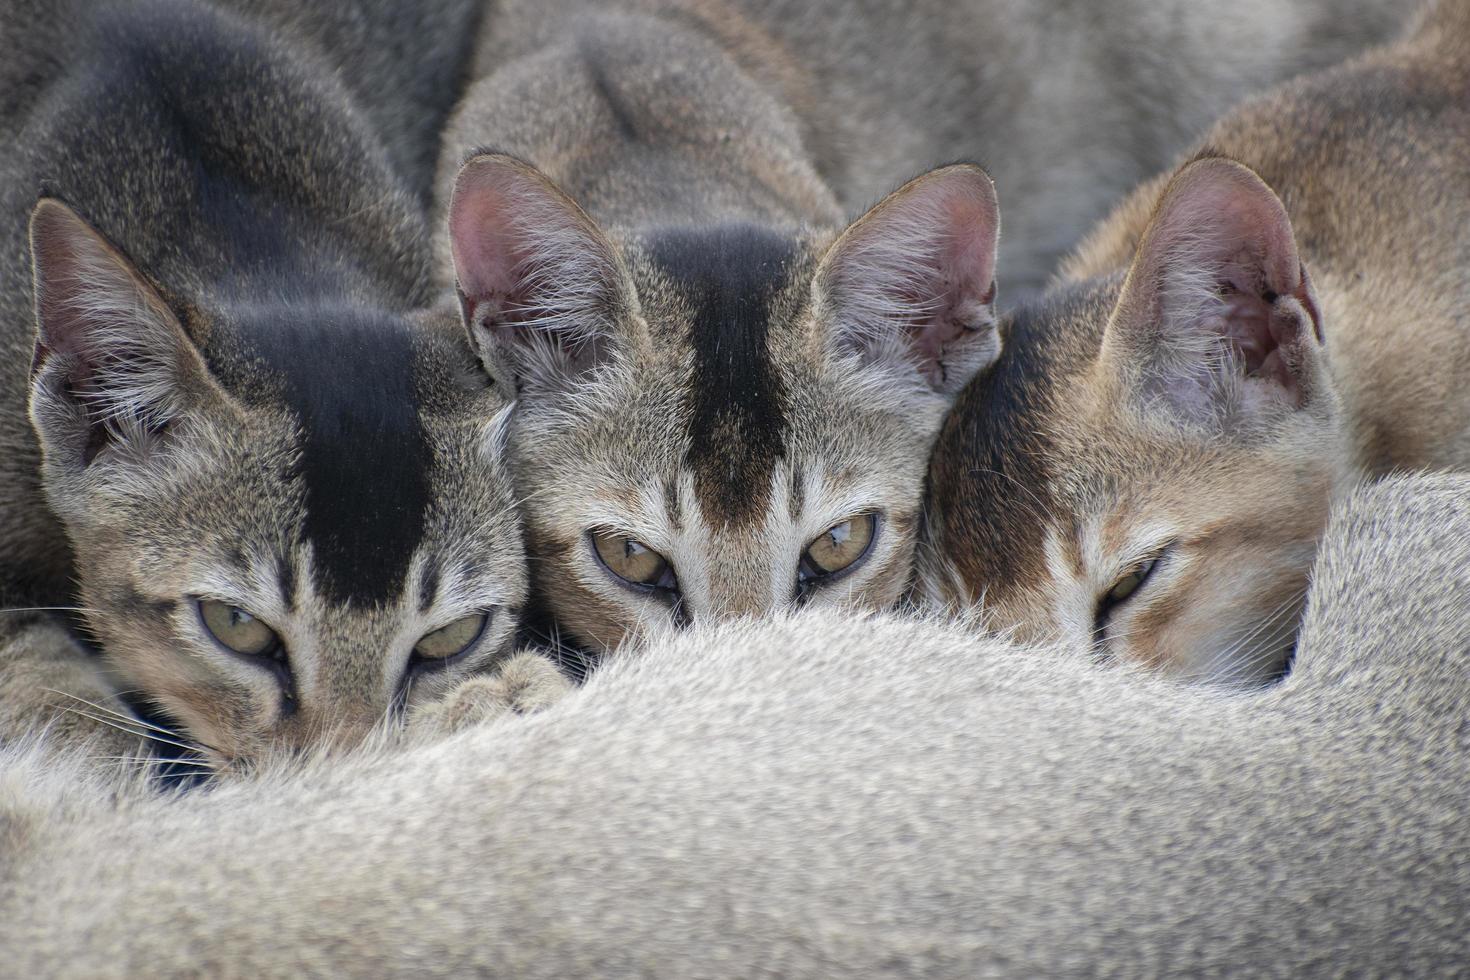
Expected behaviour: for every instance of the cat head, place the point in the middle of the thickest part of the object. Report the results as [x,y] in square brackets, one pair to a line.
[722,421]
[1147,468]
[290,518]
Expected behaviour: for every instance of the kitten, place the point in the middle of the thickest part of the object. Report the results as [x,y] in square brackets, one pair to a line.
[1146,470]
[404,65]
[902,800]
[270,467]
[726,400]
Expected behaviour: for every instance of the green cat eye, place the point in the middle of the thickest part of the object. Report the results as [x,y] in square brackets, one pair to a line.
[452,640]
[237,630]
[1124,589]
[1128,584]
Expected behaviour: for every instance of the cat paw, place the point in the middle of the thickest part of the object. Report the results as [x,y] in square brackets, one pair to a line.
[526,682]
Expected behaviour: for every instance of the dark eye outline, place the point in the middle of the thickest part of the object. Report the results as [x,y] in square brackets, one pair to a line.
[668,584]
[809,576]
[1109,601]
[422,664]
[275,653]
[274,658]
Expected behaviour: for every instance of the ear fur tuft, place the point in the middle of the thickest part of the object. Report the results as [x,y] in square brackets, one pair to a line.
[540,285]
[111,363]
[1217,315]
[913,280]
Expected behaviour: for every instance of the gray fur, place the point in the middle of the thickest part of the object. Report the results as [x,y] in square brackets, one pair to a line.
[403,65]
[893,800]
[684,120]
[307,437]
[687,110]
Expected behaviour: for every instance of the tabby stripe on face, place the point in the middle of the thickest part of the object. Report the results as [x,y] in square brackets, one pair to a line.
[736,402]
[348,377]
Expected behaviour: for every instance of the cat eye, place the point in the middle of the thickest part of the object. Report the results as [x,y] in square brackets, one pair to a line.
[237,630]
[838,549]
[450,641]
[1125,588]
[632,561]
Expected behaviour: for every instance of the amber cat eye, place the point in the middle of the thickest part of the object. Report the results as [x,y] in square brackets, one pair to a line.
[237,630]
[838,549]
[632,561]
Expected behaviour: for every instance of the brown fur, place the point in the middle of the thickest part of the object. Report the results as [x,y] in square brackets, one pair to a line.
[1059,447]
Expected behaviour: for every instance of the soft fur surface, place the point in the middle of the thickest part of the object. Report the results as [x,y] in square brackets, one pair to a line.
[1282,318]
[837,796]
[788,105]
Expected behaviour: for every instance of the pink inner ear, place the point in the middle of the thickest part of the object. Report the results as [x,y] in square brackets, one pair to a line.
[58,239]
[487,247]
[1218,262]
[923,260]
[1218,216]
[1248,327]
[964,287]
[84,287]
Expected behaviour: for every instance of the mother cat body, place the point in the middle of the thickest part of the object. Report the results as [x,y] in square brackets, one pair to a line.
[899,799]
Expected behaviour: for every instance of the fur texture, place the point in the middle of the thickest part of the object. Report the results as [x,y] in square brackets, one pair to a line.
[1239,344]
[722,396]
[402,66]
[787,105]
[714,370]
[838,796]
[238,392]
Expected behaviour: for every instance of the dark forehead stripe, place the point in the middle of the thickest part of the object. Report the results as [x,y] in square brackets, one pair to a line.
[348,376]
[730,277]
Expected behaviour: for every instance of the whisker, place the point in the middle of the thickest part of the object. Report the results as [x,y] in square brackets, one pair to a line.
[1226,666]
[124,717]
[136,733]
[23,609]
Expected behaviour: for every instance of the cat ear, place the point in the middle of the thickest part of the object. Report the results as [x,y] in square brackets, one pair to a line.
[913,280]
[1217,317]
[540,286]
[112,364]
